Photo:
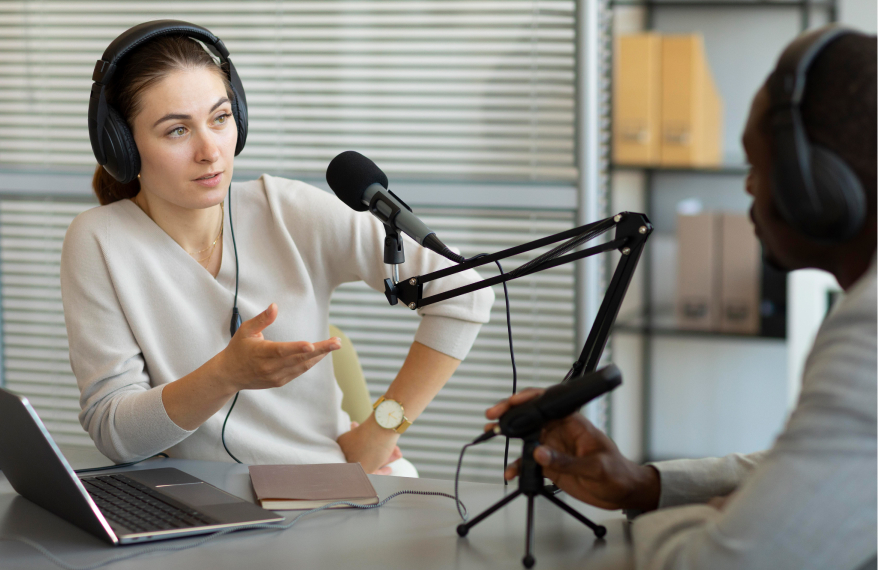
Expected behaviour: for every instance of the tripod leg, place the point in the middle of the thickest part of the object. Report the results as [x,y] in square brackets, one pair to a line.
[528,559]
[599,530]
[463,528]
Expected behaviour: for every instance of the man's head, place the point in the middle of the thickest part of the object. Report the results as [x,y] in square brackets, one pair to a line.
[839,114]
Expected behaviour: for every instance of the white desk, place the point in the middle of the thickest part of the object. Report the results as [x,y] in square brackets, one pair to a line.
[412,532]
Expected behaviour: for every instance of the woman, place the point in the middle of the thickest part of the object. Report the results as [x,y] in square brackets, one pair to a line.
[148,282]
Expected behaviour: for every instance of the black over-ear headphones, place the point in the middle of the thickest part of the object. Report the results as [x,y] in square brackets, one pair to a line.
[111,139]
[813,188]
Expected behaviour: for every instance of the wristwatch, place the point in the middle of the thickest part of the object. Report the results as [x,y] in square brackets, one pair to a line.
[390,415]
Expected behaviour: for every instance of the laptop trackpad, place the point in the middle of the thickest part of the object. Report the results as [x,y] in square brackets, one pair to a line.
[199,494]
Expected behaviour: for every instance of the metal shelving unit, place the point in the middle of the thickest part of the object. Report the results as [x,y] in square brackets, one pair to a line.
[652,323]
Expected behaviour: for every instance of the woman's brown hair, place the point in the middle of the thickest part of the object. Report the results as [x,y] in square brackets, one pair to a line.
[145,67]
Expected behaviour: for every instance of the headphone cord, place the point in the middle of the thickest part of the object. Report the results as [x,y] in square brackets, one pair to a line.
[175,546]
[236,322]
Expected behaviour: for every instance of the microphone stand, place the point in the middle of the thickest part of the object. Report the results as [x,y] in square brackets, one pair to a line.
[632,231]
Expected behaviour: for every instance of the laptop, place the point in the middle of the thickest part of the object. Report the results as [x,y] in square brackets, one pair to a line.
[122,508]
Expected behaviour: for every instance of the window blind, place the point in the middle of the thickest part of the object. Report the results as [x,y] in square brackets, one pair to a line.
[36,362]
[444,89]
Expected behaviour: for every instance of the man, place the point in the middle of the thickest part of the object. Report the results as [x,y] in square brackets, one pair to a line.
[809,501]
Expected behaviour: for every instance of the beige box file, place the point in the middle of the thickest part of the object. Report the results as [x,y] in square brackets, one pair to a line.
[637,100]
[741,276]
[691,109]
[698,271]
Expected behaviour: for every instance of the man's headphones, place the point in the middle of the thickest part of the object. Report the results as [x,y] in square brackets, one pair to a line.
[814,190]
[111,139]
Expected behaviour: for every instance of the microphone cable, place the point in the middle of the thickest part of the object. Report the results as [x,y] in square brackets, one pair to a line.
[514,373]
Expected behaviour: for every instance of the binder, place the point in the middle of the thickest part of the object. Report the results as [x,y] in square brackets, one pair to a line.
[691,109]
[741,268]
[698,271]
[637,100]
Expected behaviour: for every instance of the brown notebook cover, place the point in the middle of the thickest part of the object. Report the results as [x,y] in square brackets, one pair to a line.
[293,487]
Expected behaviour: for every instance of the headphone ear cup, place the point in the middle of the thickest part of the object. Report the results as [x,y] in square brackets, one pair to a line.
[787,185]
[842,196]
[123,160]
[239,107]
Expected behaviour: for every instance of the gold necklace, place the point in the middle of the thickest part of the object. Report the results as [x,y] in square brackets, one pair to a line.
[213,245]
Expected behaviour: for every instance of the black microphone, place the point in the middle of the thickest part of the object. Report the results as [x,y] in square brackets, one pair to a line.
[557,402]
[359,183]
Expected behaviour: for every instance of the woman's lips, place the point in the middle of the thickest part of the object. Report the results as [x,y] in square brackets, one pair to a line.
[210,182]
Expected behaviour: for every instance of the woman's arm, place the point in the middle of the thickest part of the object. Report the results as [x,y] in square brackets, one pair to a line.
[422,375]
[249,362]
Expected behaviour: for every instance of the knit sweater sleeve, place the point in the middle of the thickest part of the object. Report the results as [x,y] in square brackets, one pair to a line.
[341,245]
[121,411]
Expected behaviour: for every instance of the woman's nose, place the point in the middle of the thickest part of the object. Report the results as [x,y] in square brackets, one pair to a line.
[207,150]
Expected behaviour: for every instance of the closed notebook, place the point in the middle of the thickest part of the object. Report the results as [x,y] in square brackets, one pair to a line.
[293,487]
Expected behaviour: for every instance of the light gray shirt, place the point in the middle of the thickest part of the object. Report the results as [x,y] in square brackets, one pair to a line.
[141,313]
[807,503]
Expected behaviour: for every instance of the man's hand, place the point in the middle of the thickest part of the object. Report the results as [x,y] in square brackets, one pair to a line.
[371,446]
[585,463]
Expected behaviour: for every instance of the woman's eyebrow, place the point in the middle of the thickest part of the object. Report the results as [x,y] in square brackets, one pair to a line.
[178,116]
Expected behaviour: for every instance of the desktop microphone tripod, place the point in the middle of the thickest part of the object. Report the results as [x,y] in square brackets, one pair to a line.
[530,484]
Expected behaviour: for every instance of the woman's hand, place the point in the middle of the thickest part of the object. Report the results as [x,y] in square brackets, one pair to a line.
[371,446]
[250,362]
[585,463]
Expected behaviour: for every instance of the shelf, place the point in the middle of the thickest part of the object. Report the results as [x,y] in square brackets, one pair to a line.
[721,4]
[663,323]
[724,170]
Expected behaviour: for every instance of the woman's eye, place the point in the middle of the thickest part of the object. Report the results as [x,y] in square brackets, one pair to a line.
[221,120]
[178,132]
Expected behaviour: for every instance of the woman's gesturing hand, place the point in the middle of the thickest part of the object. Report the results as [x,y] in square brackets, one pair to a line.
[585,463]
[250,362]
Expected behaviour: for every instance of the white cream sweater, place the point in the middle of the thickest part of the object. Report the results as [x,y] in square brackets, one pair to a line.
[141,313]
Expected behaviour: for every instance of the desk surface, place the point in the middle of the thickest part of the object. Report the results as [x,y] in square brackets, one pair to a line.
[411,531]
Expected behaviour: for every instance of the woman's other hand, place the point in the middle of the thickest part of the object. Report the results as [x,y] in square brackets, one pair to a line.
[250,362]
[585,463]
[371,446]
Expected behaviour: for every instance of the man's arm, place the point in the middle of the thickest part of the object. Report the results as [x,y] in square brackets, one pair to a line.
[687,481]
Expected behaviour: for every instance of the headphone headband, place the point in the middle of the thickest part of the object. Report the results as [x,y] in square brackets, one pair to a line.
[143,33]
[111,140]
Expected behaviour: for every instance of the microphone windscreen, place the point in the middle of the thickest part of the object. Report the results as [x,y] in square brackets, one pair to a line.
[349,174]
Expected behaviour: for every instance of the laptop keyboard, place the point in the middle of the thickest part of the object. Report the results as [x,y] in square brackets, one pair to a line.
[127,502]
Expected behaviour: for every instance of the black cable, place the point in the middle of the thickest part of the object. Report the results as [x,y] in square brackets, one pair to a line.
[118,465]
[511,357]
[236,322]
[514,369]
[223,432]
[175,546]
[463,513]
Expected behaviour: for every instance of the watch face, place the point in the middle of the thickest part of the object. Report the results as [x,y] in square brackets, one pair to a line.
[389,414]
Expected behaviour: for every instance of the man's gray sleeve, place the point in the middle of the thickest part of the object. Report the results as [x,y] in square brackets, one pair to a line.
[687,481]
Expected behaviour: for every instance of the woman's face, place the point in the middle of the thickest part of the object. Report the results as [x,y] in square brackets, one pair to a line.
[186,137]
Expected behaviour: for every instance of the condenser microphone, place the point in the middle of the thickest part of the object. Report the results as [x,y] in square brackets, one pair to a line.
[557,402]
[359,183]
